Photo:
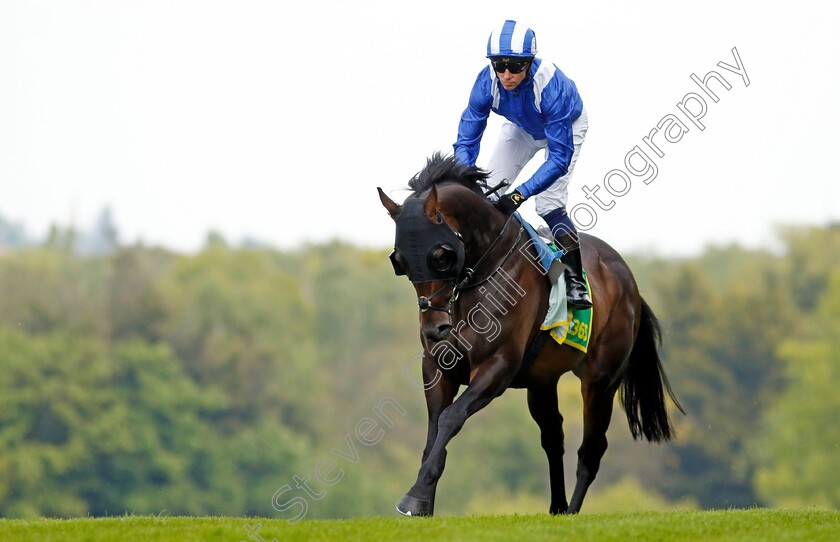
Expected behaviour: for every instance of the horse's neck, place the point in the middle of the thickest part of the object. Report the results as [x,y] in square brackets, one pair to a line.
[486,228]
[479,223]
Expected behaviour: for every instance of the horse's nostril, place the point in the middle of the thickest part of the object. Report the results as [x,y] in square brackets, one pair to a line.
[437,332]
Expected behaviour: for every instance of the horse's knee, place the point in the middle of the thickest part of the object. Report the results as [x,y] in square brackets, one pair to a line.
[451,419]
[552,442]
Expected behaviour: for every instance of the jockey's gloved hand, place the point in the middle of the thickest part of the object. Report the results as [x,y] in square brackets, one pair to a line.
[510,202]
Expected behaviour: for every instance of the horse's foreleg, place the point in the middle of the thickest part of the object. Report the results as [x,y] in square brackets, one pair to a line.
[597,410]
[542,402]
[489,382]
[438,398]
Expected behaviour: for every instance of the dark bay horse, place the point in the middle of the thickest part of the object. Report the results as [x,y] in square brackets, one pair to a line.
[482,302]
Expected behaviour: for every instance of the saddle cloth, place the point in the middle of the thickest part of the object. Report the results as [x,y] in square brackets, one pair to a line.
[566,326]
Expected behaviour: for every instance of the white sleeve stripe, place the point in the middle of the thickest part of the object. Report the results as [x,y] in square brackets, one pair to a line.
[544,74]
[494,89]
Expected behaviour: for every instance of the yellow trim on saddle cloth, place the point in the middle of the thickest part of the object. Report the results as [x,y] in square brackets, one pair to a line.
[579,321]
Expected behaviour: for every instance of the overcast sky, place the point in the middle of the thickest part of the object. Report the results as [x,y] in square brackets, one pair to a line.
[278,120]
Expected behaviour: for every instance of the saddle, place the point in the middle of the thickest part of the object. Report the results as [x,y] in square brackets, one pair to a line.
[548,253]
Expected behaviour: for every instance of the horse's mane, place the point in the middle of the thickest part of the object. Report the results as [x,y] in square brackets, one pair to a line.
[440,169]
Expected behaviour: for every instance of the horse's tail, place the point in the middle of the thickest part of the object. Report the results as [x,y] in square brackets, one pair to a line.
[643,389]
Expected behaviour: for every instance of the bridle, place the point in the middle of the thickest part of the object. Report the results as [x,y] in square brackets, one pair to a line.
[464,284]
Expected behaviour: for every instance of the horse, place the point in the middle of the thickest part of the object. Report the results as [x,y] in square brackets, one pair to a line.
[460,253]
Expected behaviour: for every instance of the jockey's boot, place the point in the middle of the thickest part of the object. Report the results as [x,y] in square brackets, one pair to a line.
[565,234]
[578,298]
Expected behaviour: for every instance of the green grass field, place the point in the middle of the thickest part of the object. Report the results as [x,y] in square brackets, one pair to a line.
[735,525]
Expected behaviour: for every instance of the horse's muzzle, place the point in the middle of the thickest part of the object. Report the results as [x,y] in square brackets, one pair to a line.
[436,331]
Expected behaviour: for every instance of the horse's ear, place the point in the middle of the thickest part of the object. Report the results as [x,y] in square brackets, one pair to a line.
[393,208]
[431,205]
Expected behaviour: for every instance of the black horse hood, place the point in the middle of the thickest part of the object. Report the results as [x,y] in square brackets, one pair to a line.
[418,238]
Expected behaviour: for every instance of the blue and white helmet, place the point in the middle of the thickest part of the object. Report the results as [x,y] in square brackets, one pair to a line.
[512,39]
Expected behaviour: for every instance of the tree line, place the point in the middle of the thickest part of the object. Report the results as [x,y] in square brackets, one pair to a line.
[146,381]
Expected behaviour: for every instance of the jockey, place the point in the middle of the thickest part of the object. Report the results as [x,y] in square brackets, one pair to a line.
[544,111]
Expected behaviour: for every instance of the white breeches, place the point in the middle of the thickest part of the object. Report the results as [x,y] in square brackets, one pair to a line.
[515,149]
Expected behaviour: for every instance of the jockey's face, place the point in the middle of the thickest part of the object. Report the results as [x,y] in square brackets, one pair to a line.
[511,80]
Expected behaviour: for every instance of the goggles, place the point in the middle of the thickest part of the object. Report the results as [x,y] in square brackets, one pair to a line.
[512,64]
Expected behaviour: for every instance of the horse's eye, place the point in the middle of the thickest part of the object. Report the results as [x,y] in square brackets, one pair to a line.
[443,259]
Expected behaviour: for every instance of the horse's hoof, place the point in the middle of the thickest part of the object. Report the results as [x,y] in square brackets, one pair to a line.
[412,506]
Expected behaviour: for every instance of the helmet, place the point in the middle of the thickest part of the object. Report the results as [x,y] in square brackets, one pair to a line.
[512,39]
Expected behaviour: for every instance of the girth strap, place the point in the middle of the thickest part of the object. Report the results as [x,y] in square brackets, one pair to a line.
[532,352]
